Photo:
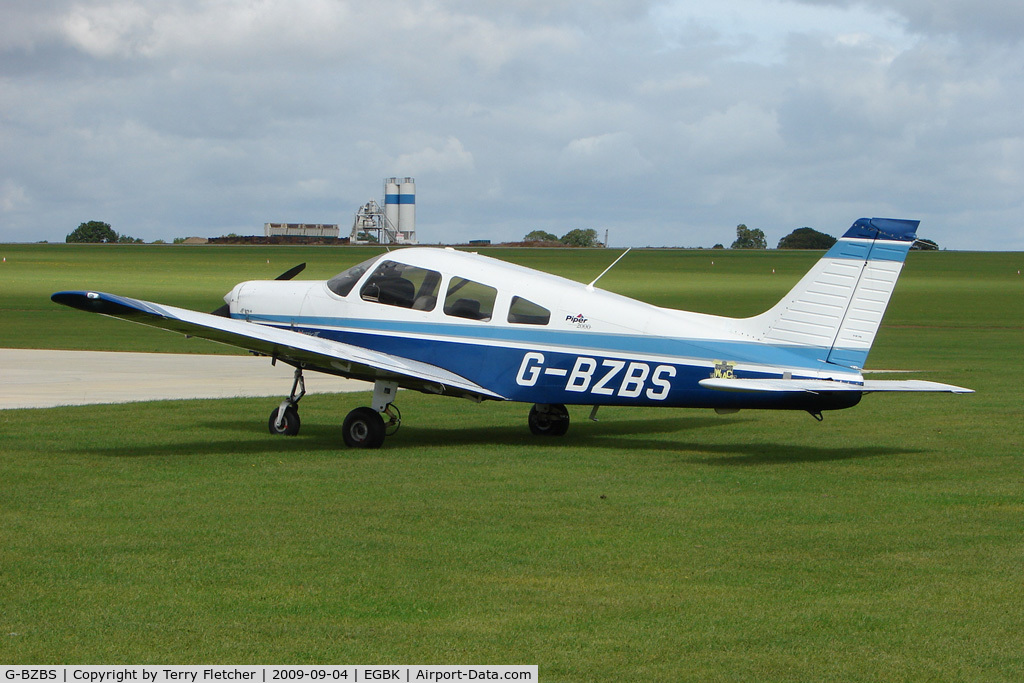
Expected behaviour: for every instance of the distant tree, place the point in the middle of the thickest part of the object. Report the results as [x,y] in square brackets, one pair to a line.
[749,239]
[924,245]
[93,231]
[128,239]
[540,236]
[580,238]
[718,246]
[806,238]
[179,240]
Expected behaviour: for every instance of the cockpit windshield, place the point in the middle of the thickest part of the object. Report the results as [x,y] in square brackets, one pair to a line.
[343,283]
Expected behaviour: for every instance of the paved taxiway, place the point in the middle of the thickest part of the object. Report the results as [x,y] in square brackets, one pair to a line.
[43,379]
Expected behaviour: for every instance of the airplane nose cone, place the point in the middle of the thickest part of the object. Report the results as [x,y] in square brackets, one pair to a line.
[232,295]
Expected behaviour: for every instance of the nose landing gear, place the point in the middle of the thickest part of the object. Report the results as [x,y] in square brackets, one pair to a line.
[285,418]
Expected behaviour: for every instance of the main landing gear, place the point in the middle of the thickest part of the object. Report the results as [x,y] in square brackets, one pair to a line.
[549,419]
[363,427]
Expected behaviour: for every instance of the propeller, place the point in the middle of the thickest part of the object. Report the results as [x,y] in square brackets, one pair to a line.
[289,274]
[225,310]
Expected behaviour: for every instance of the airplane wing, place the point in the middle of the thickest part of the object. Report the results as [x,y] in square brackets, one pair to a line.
[294,348]
[817,386]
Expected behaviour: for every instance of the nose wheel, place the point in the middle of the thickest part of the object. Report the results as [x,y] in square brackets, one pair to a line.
[286,423]
[284,420]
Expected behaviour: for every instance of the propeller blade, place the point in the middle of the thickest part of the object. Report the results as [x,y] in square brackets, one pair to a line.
[289,274]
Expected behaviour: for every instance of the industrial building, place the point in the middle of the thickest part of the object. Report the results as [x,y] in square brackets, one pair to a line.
[300,230]
[396,223]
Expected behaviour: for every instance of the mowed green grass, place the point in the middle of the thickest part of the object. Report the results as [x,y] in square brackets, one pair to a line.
[885,543]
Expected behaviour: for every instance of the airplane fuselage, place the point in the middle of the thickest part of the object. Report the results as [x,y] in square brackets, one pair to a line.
[567,344]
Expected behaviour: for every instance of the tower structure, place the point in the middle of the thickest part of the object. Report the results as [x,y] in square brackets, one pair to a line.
[395,223]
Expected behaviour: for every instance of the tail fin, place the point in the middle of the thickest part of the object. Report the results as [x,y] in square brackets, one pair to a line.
[839,304]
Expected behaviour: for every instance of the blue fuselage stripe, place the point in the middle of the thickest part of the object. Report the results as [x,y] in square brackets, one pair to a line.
[810,358]
[579,375]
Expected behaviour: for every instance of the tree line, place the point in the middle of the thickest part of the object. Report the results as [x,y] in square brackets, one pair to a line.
[580,237]
[746,238]
[801,238]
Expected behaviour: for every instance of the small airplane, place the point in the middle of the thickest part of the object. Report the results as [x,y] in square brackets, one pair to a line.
[454,323]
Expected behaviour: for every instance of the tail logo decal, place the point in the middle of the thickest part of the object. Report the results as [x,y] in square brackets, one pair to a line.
[723,370]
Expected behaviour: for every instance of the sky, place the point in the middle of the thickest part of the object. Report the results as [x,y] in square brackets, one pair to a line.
[663,123]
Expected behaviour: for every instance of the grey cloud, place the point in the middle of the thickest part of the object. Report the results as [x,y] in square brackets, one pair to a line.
[994,19]
[178,118]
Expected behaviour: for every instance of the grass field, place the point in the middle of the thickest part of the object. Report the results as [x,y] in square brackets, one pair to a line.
[886,543]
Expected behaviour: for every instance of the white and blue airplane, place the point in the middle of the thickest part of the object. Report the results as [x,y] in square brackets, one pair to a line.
[453,323]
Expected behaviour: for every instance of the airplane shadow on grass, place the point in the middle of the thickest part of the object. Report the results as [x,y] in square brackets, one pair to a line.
[627,435]
[624,435]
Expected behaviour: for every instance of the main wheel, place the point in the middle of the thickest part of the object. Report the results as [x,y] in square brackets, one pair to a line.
[363,428]
[549,420]
[290,424]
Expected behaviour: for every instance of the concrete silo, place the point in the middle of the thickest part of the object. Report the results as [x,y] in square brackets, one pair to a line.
[407,211]
[391,205]
[399,212]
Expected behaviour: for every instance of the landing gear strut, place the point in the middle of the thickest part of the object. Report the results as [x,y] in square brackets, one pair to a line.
[549,419]
[363,427]
[285,418]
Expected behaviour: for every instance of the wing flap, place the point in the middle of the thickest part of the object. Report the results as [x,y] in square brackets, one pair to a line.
[295,348]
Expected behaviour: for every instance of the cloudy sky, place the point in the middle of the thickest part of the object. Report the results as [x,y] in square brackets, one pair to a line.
[665,123]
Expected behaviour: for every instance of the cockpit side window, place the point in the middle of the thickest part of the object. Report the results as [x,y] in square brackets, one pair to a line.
[526,312]
[468,299]
[343,283]
[402,285]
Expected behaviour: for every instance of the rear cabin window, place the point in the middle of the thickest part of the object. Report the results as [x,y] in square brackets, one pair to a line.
[343,283]
[405,286]
[468,299]
[526,312]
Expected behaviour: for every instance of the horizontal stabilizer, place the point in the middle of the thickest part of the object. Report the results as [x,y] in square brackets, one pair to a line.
[818,386]
[767,386]
[912,385]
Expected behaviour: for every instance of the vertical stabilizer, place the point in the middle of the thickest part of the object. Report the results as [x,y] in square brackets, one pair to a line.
[838,305]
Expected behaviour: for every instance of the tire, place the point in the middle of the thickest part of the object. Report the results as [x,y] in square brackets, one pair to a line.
[549,420]
[290,426]
[363,428]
